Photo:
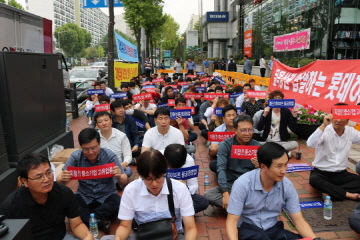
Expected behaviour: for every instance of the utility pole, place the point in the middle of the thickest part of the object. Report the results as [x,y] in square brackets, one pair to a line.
[201,31]
[111,82]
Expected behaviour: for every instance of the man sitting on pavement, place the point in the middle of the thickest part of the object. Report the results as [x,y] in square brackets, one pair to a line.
[332,142]
[115,140]
[229,169]
[103,99]
[127,125]
[99,195]
[259,196]
[108,91]
[163,134]
[45,202]
[177,158]
[135,113]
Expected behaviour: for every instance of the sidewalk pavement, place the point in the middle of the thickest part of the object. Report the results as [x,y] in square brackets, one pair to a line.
[211,222]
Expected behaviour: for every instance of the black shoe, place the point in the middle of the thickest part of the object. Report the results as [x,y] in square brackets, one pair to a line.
[104,225]
[119,187]
[133,162]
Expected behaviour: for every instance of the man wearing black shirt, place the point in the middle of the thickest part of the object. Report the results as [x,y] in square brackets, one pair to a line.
[45,202]
[135,113]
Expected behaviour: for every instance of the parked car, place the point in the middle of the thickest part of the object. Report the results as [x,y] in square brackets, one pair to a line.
[84,79]
[69,65]
[101,66]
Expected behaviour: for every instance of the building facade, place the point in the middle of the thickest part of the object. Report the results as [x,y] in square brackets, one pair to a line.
[70,11]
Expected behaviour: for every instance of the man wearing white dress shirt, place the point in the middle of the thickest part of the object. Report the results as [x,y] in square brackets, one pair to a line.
[332,142]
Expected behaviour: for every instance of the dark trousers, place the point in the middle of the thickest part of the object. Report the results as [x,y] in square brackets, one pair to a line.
[277,232]
[201,126]
[190,72]
[200,202]
[204,133]
[336,184]
[213,166]
[107,210]
[192,137]
[354,220]
[256,137]
[196,117]
[262,72]
[147,72]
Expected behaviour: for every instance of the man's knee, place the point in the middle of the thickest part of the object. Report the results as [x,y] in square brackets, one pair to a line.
[354,222]
[200,202]
[213,166]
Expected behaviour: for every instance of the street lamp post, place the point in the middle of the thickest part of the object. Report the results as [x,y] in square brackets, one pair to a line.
[58,33]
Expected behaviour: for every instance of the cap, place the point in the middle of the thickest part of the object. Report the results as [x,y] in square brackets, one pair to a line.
[328,198]
[92,215]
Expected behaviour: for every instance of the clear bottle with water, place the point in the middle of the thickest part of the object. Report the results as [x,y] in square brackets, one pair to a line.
[206,181]
[93,225]
[192,155]
[328,208]
[67,126]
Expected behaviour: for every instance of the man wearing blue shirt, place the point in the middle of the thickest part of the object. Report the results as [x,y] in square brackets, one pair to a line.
[190,67]
[206,66]
[258,197]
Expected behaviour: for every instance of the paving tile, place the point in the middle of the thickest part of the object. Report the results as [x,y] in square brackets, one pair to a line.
[214,234]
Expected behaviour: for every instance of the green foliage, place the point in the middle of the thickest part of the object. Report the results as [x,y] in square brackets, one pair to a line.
[13,3]
[294,62]
[73,39]
[170,35]
[309,115]
[193,52]
[2,1]
[91,53]
[104,41]
[100,51]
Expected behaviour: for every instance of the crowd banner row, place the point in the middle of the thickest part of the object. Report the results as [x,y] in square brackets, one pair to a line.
[321,83]
[241,78]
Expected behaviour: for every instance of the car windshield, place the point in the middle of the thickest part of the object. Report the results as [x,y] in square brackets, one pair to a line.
[101,64]
[83,74]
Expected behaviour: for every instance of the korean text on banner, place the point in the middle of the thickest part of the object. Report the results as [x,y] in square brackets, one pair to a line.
[219,136]
[244,151]
[248,22]
[119,95]
[192,95]
[102,107]
[346,112]
[171,102]
[102,171]
[321,84]
[256,93]
[183,173]
[184,113]
[191,108]
[126,50]
[211,96]
[281,103]
[95,91]
[157,80]
[143,96]
[292,41]
[123,72]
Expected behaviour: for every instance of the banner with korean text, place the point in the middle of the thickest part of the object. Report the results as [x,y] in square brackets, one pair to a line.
[248,25]
[293,41]
[126,50]
[123,72]
[320,84]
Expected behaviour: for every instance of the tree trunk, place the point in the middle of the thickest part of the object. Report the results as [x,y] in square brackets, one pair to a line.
[138,40]
[111,79]
[152,54]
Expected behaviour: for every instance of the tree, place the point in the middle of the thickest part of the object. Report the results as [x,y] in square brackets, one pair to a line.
[72,39]
[170,35]
[15,4]
[2,1]
[104,41]
[100,51]
[91,53]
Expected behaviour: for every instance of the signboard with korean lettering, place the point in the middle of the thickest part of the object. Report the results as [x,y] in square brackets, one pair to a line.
[174,86]
[126,50]
[206,79]
[244,151]
[217,16]
[200,73]
[292,41]
[219,136]
[299,167]
[182,83]
[192,95]
[183,173]
[222,82]
[95,91]
[148,86]
[162,105]
[100,3]
[171,102]
[191,76]
[218,111]
[150,90]
[139,124]
[102,107]
[312,204]
[102,171]
[143,96]
[200,89]
[191,108]
[184,113]
[251,93]
[119,95]
[157,80]
[235,95]
[281,103]
[346,112]
[321,83]
[146,83]
[248,29]
[211,96]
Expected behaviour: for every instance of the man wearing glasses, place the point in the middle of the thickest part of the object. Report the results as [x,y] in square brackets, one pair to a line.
[45,202]
[99,195]
[229,169]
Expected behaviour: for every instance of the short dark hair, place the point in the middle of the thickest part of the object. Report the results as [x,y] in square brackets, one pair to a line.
[102,82]
[100,114]
[124,85]
[151,162]
[238,89]
[116,104]
[131,84]
[162,111]
[275,93]
[218,88]
[270,151]
[228,108]
[263,56]
[247,85]
[188,80]
[175,78]
[168,88]
[246,56]
[273,55]
[197,84]
[104,98]
[211,83]
[96,84]
[210,90]
[87,135]
[30,161]
[216,82]
[126,102]
[180,99]
[175,154]
[242,118]
[251,80]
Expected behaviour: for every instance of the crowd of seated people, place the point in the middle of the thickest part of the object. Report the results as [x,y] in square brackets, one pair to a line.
[151,134]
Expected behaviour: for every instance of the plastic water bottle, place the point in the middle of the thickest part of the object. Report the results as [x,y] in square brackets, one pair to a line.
[192,155]
[206,181]
[67,126]
[328,208]
[93,225]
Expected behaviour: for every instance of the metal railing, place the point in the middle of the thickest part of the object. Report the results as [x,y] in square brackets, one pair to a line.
[73,100]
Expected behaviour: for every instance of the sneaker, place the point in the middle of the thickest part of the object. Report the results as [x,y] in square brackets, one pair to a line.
[90,122]
[104,225]
[133,162]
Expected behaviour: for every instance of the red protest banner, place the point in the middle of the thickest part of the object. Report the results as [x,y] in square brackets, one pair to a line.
[152,101]
[143,96]
[192,95]
[244,151]
[192,109]
[202,85]
[102,107]
[157,80]
[174,86]
[146,83]
[346,112]
[171,102]
[205,79]
[224,87]
[182,83]
[102,171]
[211,96]
[150,90]
[191,76]
[219,136]
[250,93]
[321,84]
